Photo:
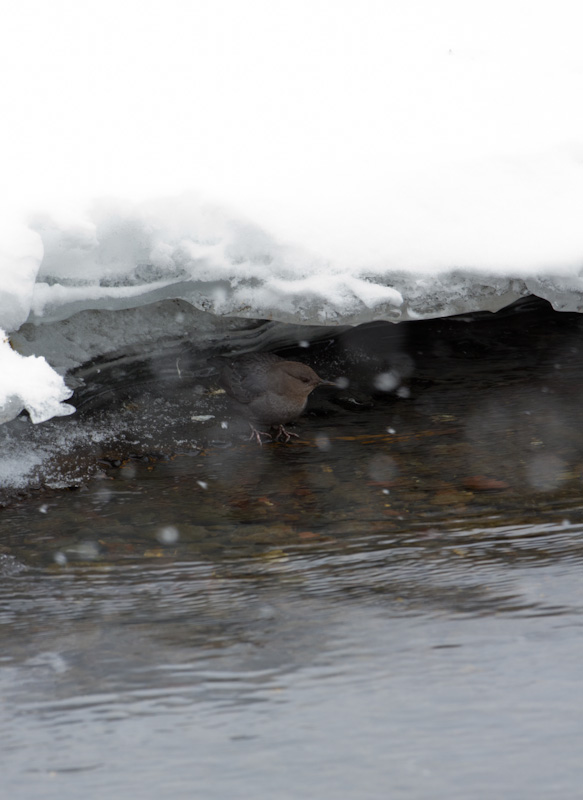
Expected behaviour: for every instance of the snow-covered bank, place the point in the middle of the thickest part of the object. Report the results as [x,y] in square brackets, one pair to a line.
[316,163]
[224,269]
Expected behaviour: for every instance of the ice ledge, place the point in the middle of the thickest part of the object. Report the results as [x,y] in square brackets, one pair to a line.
[325,298]
[121,255]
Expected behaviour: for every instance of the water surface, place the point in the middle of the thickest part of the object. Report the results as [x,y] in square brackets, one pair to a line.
[390,606]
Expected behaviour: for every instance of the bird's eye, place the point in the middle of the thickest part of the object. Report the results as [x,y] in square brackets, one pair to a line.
[305,380]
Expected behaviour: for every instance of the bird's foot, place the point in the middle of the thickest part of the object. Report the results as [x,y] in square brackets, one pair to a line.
[282,432]
[255,434]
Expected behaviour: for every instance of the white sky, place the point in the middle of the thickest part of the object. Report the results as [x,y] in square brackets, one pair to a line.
[352,127]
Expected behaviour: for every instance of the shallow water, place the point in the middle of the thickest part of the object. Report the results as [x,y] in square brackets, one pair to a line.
[390,606]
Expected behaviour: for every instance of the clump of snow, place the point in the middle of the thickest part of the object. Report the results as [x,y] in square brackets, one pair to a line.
[17,468]
[30,383]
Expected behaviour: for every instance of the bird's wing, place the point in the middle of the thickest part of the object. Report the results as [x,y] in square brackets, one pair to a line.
[246,377]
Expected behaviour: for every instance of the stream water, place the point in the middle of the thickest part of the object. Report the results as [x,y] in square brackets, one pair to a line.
[390,606]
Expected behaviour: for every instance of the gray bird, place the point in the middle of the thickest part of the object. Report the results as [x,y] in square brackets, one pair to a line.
[269,391]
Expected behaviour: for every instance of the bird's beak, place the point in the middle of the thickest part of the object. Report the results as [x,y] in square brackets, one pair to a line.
[328,383]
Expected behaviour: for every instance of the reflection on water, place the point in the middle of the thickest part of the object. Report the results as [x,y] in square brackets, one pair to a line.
[390,606]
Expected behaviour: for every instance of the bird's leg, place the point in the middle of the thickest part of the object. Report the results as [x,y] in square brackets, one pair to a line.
[281,431]
[255,434]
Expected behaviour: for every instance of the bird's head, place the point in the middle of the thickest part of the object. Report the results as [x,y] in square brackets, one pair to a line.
[302,379]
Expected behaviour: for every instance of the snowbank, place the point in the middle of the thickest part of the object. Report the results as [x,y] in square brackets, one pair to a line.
[322,163]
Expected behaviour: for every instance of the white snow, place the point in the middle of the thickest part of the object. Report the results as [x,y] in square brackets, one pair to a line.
[29,382]
[321,162]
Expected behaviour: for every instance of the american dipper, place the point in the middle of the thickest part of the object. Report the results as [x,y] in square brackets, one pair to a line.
[269,390]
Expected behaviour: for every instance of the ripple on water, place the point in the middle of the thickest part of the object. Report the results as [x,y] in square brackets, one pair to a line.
[390,604]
